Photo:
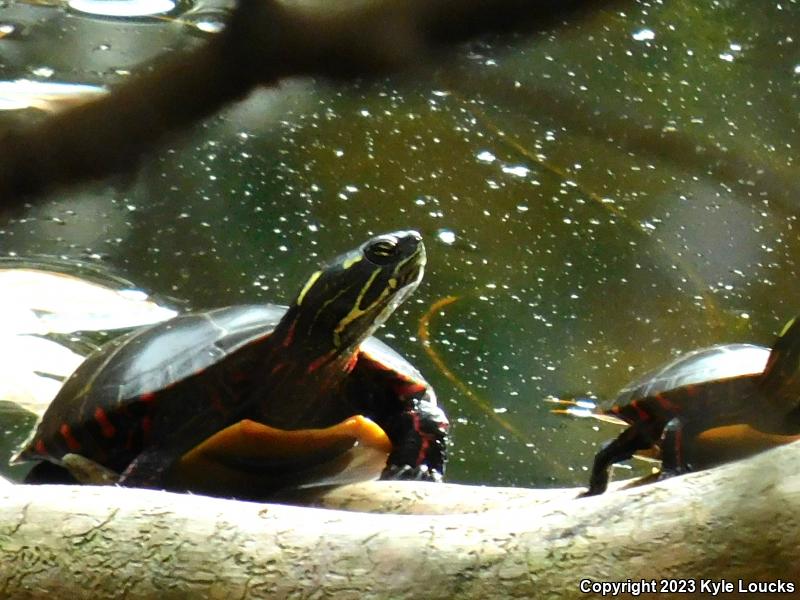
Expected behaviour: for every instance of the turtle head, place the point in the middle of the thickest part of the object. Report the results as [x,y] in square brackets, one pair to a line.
[349,298]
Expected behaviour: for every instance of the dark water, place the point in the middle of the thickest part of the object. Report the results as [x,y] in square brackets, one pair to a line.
[598,198]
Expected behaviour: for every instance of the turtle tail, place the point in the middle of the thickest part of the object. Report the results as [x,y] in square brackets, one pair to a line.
[780,381]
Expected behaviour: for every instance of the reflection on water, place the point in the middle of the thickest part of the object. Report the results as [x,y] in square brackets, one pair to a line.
[39,301]
[208,16]
[44,95]
[52,314]
[603,196]
[122,8]
[207,22]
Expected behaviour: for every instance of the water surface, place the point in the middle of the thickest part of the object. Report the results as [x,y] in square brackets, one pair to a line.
[597,198]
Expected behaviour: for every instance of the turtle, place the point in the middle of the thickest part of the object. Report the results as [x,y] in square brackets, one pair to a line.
[708,406]
[144,400]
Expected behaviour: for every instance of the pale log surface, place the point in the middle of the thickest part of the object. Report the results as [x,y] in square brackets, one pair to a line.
[737,521]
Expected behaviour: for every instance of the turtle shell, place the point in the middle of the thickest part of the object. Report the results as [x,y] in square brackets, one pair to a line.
[707,365]
[707,387]
[150,360]
[154,358]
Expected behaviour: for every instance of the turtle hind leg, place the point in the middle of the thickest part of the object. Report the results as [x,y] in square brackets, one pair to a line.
[72,468]
[87,471]
[673,455]
[639,436]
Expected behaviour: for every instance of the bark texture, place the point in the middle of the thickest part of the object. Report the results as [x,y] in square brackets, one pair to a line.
[735,522]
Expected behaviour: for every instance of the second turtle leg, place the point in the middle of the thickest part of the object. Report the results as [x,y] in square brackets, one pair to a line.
[673,450]
[634,438]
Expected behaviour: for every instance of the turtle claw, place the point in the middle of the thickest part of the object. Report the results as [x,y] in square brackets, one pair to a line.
[664,474]
[409,473]
[591,492]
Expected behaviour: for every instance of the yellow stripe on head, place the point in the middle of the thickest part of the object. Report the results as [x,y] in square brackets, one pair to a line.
[356,310]
[355,259]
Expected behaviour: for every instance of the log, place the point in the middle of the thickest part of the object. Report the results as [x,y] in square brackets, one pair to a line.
[736,522]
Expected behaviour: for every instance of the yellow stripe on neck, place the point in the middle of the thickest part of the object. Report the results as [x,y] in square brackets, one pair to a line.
[307,286]
[356,311]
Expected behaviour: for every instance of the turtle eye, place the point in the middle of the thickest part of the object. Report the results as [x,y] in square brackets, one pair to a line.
[381,252]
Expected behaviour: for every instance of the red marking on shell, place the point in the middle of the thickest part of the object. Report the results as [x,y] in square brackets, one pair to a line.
[147,424]
[351,364]
[665,404]
[66,433]
[40,447]
[106,428]
[147,397]
[317,363]
[287,341]
[642,413]
[277,368]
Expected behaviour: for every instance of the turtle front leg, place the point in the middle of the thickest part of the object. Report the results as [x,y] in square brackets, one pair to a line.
[634,438]
[419,442]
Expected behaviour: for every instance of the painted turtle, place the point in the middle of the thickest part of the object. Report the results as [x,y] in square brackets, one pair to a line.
[708,406]
[144,400]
